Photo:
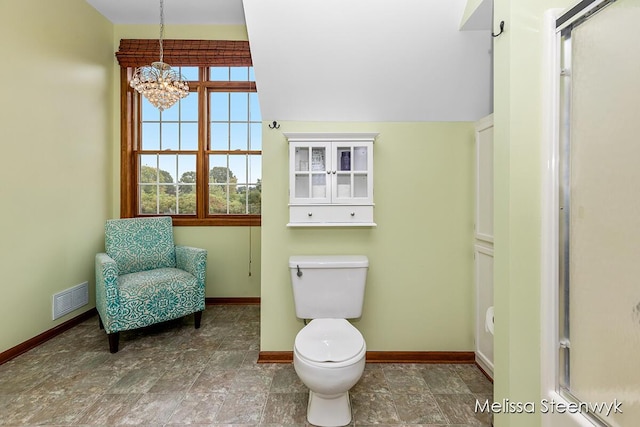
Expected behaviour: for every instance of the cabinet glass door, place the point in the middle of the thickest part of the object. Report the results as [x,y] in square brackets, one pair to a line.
[319,173]
[310,176]
[352,173]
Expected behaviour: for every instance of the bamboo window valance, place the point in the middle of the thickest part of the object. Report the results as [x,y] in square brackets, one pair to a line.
[140,52]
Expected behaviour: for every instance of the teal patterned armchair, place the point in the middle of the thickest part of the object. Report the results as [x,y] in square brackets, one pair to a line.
[143,278]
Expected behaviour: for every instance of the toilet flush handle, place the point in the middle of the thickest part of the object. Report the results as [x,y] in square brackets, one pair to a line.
[299,273]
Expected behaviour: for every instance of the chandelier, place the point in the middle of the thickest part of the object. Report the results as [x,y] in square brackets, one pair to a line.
[158,82]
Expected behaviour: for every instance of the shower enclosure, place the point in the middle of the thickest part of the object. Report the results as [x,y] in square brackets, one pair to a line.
[598,208]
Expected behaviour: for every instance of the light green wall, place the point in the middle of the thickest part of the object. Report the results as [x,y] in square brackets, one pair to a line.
[55,127]
[230,249]
[517,133]
[419,294]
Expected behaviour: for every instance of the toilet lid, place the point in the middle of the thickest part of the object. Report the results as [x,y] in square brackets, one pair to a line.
[329,340]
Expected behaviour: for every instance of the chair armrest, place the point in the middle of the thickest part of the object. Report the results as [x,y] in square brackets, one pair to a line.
[107,293]
[192,260]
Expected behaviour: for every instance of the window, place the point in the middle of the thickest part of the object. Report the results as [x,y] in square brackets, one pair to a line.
[200,160]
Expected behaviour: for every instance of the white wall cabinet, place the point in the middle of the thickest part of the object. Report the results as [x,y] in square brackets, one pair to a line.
[483,257]
[330,179]
[483,244]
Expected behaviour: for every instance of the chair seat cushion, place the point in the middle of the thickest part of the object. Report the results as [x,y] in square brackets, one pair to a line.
[158,295]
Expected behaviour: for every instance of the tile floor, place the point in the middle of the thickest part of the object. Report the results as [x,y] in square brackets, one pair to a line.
[173,374]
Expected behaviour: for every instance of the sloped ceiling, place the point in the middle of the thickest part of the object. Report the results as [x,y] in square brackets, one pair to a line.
[220,12]
[348,60]
[368,60]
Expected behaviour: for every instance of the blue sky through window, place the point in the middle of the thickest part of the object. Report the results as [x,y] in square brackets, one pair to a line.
[235,125]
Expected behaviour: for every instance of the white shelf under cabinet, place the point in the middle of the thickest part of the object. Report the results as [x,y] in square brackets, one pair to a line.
[331,179]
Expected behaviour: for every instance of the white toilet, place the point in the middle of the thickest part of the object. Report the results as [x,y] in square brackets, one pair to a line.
[329,352]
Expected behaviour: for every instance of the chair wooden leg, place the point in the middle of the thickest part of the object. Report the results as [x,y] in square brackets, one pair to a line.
[100,324]
[114,340]
[197,317]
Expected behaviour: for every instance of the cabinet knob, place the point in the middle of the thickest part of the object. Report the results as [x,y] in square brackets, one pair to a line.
[334,172]
[328,172]
[353,214]
[310,214]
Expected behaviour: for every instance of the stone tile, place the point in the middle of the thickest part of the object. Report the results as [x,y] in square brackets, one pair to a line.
[373,408]
[418,409]
[174,374]
[86,360]
[96,381]
[19,379]
[405,380]
[109,409]
[19,410]
[475,380]
[215,329]
[372,381]
[250,360]
[5,399]
[151,408]
[225,313]
[176,380]
[148,358]
[242,408]
[197,408]
[484,396]
[194,358]
[285,380]
[214,381]
[460,408]
[285,409]
[226,359]
[252,380]
[239,342]
[62,409]
[136,381]
[248,329]
[443,379]
[251,314]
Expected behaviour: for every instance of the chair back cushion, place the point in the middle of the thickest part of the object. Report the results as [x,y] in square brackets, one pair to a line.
[140,244]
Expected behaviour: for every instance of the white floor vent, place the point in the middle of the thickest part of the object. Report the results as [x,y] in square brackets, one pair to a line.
[70,299]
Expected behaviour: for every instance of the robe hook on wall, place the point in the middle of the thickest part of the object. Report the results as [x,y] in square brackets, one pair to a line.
[274,125]
[501,30]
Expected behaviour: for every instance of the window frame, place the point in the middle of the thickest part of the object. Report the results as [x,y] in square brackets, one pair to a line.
[131,119]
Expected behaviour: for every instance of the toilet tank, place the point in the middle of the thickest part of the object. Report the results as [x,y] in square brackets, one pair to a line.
[328,286]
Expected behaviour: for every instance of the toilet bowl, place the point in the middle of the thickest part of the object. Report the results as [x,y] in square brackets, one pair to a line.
[329,358]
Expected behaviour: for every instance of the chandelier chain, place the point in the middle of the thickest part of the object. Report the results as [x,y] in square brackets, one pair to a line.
[158,82]
[161,29]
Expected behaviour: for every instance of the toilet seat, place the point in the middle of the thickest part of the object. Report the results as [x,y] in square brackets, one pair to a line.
[330,342]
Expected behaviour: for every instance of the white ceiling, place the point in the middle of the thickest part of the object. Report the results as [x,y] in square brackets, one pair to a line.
[222,12]
[349,60]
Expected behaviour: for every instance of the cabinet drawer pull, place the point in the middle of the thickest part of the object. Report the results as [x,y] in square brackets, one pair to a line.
[310,214]
[353,214]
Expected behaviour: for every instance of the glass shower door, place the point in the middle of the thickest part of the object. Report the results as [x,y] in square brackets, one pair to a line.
[601,212]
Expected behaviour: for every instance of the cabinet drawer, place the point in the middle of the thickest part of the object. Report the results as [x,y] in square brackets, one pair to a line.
[330,215]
